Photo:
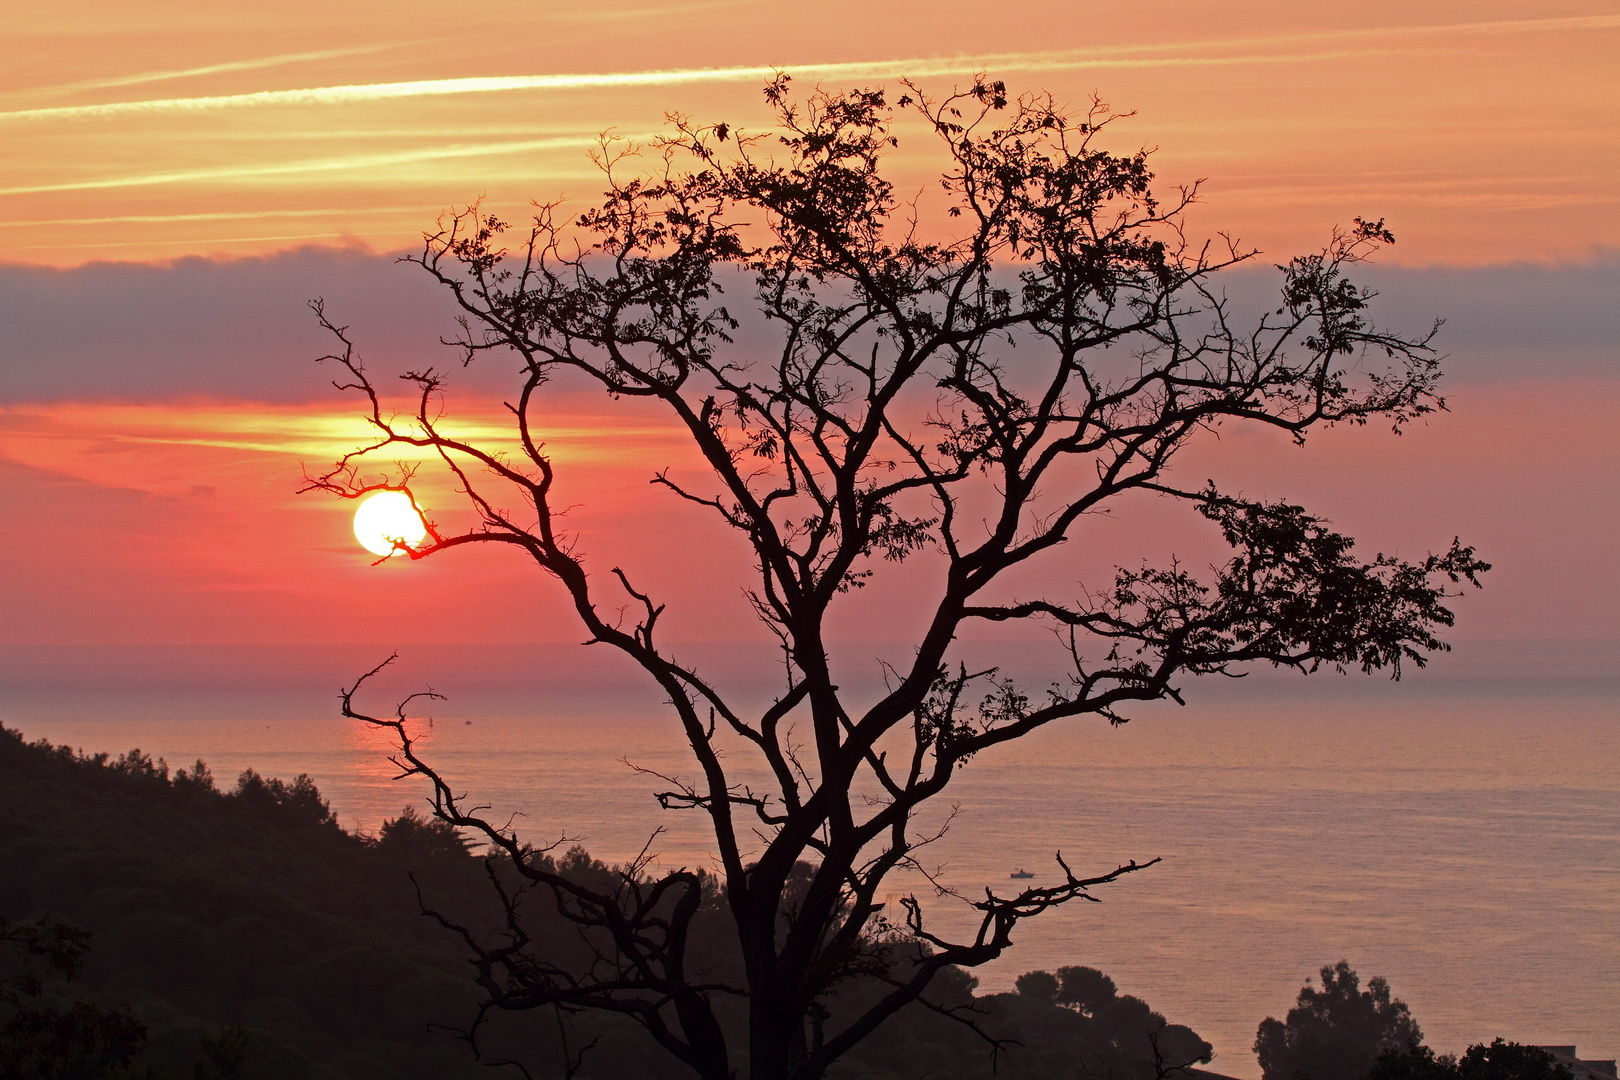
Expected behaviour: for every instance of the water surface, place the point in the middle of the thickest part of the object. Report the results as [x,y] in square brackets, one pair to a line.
[1458,833]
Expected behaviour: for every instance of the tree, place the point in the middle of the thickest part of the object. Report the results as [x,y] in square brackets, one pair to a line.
[962,391]
[1040,985]
[42,1035]
[1085,989]
[1497,1061]
[1126,1037]
[1510,1061]
[1413,1062]
[1339,1031]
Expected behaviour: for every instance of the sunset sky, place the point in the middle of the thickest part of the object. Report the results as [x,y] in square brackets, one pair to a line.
[179,178]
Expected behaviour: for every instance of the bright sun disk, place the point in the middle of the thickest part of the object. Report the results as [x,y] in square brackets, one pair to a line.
[384,518]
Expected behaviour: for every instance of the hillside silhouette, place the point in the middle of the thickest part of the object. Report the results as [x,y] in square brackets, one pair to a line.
[251,936]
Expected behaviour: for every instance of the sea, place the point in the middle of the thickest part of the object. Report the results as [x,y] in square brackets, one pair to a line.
[1457,832]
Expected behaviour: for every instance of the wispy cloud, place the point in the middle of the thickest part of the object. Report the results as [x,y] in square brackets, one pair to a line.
[191,242]
[1184,54]
[297,168]
[90,439]
[255,64]
[374,92]
[234,215]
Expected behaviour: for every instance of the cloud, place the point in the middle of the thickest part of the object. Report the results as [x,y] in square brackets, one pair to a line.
[372,92]
[1513,322]
[208,328]
[241,329]
[1501,323]
[199,448]
[1181,54]
[307,166]
[226,215]
[226,67]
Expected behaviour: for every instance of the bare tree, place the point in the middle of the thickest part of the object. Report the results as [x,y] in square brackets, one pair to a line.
[964,391]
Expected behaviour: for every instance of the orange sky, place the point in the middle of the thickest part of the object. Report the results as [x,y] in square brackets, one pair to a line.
[1485,132]
[165,523]
[154,409]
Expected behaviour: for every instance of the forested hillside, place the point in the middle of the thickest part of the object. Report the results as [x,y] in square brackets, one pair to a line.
[253,937]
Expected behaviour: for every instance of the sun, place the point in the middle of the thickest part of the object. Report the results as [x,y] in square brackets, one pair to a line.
[386,517]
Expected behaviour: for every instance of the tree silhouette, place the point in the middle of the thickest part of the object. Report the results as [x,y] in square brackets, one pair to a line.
[1085,989]
[1510,1061]
[1126,1037]
[44,1036]
[1337,1032]
[1040,985]
[962,391]
[1498,1060]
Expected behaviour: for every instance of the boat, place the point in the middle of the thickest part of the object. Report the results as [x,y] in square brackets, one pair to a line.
[1020,874]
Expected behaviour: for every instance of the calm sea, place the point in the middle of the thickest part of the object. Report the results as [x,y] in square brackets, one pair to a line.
[1458,833]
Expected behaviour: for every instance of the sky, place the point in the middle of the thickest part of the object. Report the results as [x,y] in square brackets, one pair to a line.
[181,178]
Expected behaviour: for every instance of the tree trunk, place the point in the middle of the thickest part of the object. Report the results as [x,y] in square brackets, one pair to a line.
[776,1045]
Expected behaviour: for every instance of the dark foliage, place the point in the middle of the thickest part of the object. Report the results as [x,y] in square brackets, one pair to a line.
[1084,989]
[1040,985]
[1510,1061]
[1337,1032]
[1114,1035]
[1414,1061]
[243,935]
[250,909]
[44,1035]
[1497,1061]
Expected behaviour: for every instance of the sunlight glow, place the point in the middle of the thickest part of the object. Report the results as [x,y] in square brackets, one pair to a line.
[385,518]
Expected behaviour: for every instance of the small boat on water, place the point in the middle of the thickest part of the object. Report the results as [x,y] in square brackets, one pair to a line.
[1020,874]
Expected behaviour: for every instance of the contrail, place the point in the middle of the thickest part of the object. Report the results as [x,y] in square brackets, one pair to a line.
[1110,57]
[213,69]
[367,92]
[357,161]
[223,215]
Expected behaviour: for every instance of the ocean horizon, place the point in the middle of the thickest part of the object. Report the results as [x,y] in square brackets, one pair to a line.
[1457,832]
